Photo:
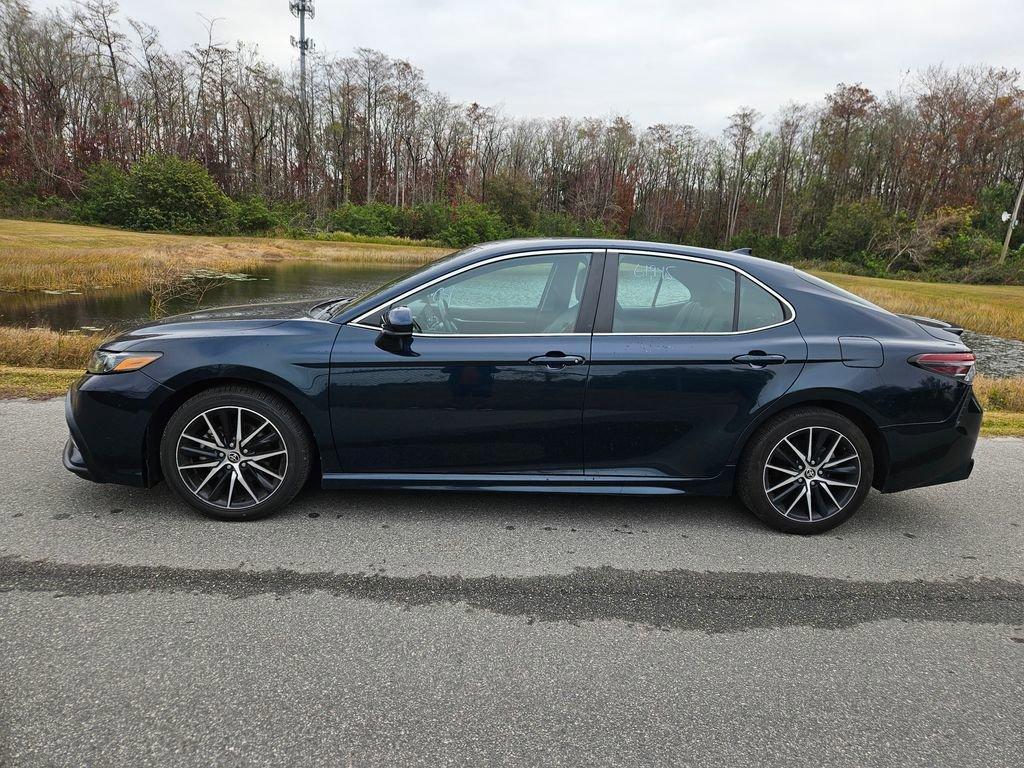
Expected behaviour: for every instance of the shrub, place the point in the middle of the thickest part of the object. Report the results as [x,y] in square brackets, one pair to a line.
[473,223]
[176,195]
[426,221]
[158,193]
[514,200]
[850,233]
[372,219]
[105,198]
[252,216]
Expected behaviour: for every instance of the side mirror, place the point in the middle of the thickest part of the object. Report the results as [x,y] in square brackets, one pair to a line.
[397,321]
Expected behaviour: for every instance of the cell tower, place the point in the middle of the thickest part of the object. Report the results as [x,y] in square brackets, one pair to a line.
[301,9]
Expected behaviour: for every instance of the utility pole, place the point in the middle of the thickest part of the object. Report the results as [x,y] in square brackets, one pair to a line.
[1012,219]
[301,9]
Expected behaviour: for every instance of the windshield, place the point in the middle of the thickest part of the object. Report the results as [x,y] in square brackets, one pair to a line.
[837,290]
[404,276]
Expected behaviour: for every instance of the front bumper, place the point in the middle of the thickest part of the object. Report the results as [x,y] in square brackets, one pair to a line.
[932,454]
[108,416]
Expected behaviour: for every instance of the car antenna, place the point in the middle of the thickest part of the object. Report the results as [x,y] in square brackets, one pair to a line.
[744,251]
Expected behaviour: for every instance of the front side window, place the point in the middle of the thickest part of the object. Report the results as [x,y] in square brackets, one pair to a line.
[526,295]
[658,294]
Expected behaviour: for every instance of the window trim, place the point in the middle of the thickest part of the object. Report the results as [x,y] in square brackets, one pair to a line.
[613,291]
[358,322]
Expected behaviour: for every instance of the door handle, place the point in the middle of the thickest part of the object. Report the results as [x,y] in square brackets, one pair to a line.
[556,360]
[757,359]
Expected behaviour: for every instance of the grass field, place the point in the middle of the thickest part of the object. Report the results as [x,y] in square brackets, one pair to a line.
[37,255]
[993,309]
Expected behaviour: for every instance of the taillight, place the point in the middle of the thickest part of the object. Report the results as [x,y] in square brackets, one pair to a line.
[957,364]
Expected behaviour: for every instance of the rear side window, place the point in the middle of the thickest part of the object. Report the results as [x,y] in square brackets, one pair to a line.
[658,294]
[758,308]
[661,294]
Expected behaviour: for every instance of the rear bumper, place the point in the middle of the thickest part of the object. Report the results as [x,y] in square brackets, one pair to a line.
[931,454]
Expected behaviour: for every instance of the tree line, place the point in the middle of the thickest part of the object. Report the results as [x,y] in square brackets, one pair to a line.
[913,179]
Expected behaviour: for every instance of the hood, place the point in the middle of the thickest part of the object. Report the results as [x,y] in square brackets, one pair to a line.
[218,321]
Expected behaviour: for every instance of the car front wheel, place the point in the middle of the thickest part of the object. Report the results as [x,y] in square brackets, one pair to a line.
[806,470]
[235,453]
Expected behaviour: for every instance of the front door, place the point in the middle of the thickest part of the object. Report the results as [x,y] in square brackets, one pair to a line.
[685,354]
[493,381]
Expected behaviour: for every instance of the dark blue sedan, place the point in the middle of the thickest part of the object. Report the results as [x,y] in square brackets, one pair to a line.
[562,366]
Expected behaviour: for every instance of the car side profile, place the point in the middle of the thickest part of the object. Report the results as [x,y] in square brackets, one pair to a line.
[578,366]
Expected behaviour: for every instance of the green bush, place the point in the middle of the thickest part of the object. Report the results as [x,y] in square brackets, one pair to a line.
[515,200]
[252,216]
[850,233]
[426,221]
[373,219]
[158,193]
[473,223]
[177,196]
[105,198]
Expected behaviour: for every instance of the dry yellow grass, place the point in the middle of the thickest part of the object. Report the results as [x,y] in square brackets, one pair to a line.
[35,383]
[38,255]
[993,309]
[38,348]
[1000,394]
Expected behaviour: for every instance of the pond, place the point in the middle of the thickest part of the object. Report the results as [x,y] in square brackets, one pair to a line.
[115,309]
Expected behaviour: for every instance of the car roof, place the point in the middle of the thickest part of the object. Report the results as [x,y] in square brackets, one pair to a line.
[744,261]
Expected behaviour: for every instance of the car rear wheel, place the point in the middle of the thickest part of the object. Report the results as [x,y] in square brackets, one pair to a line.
[806,470]
[235,453]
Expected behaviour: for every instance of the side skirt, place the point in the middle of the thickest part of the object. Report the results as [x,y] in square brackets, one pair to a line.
[526,483]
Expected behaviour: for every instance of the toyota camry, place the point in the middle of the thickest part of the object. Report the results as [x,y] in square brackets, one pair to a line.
[560,366]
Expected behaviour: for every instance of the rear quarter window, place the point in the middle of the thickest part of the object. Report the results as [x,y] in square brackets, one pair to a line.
[758,308]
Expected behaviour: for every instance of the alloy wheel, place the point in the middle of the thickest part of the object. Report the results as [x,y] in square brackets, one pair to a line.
[812,474]
[231,457]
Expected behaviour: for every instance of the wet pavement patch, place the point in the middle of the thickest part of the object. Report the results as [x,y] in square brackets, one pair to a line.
[678,599]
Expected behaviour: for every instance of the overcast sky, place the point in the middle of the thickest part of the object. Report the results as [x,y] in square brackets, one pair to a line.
[654,60]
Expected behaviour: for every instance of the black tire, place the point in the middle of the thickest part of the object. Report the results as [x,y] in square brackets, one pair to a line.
[269,483]
[835,497]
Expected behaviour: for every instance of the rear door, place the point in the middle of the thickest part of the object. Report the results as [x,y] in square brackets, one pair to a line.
[686,351]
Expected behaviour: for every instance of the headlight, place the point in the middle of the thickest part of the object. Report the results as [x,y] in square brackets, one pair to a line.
[102,361]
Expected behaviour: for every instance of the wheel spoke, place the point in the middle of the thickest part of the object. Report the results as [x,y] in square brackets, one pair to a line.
[810,448]
[206,479]
[204,465]
[231,488]
[797,499]
[839,439]
[238,430]
[246,486]
[829,492]
[264,470]
[793,448]
[263,456]
[784,471]
[213,431]
[254,433]
[810,501]
[204,443]
[787,481]
[837,482]
[837,462]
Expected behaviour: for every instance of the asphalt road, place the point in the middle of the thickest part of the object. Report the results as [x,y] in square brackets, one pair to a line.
[388,629]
